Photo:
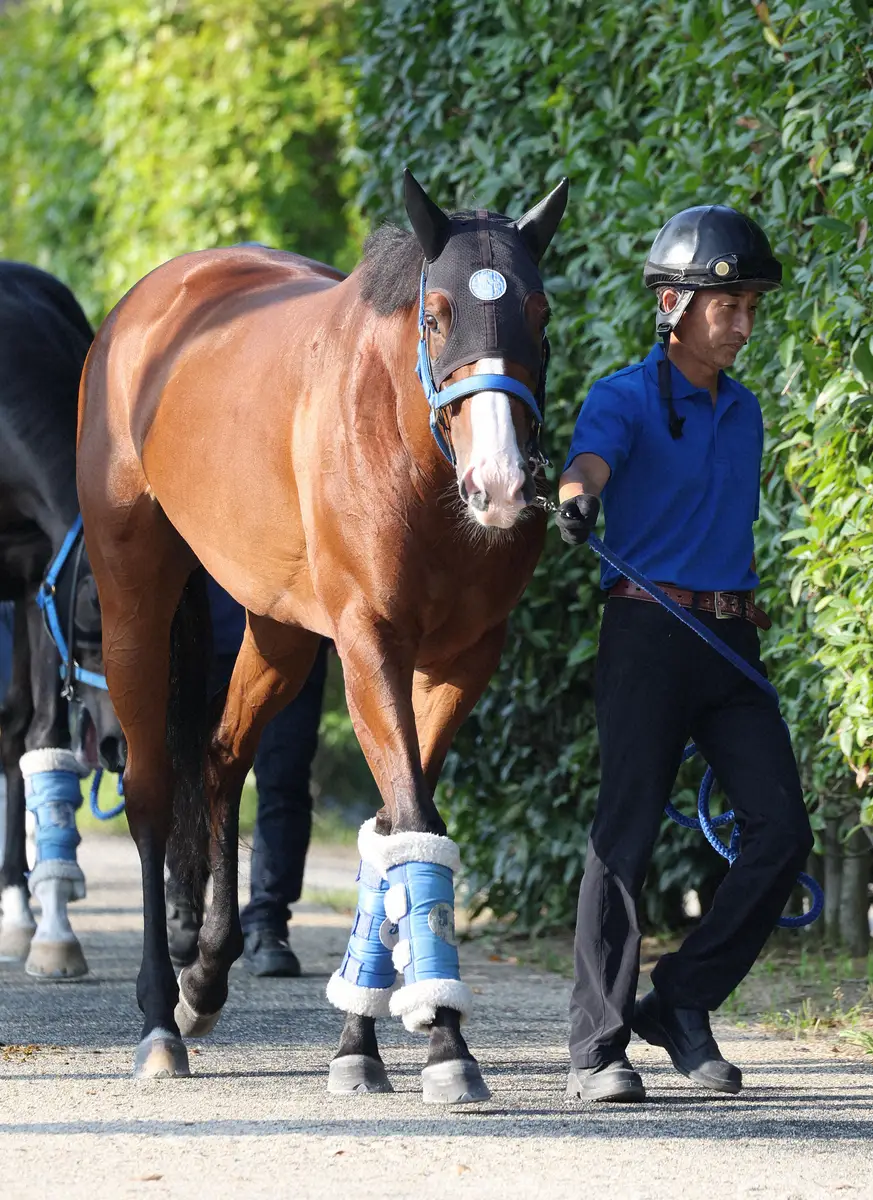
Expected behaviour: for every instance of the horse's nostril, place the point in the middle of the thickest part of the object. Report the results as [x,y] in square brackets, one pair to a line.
[480,501]
[462,488]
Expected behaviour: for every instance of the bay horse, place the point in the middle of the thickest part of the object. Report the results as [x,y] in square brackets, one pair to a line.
[257,414]
[44,339]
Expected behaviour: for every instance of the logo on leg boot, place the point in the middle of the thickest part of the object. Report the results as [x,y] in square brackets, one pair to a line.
[389,934]
[441,920]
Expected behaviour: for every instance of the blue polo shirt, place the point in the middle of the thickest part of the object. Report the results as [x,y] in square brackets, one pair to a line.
[679,510]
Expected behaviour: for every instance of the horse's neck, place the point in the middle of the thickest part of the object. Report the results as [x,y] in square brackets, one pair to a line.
[399,347]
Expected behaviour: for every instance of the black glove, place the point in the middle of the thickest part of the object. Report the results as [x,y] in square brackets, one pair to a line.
[576,518]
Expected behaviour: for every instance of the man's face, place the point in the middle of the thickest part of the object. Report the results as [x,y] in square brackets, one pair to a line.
[717,323]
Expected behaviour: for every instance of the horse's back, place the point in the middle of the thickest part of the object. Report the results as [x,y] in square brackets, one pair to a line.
[205,279]
[43,331]
[44,338]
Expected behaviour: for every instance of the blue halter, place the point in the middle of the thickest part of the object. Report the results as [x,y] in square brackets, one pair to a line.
[71,672]
[439,400]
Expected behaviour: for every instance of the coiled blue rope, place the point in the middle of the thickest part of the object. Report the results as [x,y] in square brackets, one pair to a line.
[97,811]
[704,821]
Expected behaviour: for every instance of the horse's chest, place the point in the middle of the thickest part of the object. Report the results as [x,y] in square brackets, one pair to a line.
[456,611]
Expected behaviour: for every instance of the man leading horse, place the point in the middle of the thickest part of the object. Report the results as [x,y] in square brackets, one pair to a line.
[673,445]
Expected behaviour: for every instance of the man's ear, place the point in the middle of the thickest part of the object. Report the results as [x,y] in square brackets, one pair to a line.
[668,298]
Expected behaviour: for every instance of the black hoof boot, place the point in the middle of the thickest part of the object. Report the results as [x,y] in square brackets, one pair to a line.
[686,1035]
[616,1081]
[183,930]
[268,955]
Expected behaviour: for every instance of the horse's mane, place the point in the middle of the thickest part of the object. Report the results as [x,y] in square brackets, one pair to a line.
[391,267]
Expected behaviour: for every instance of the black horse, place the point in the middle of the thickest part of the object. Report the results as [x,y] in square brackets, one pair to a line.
[44,339]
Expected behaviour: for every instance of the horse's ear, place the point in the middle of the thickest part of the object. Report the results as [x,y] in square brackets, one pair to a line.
[432,226]
[537,227]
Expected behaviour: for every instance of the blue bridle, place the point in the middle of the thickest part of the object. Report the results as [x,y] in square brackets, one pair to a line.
[439,400]
[71,672]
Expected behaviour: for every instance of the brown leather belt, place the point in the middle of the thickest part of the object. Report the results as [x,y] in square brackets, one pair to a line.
[723,604]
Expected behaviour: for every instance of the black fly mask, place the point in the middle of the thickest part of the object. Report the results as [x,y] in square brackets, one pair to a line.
[486,267]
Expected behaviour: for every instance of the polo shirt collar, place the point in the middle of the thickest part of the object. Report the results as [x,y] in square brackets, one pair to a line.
[682,389]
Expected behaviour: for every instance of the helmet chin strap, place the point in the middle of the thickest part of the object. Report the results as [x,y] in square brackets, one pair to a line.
[666,323]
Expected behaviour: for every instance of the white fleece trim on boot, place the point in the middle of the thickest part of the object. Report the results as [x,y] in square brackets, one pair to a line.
[34,762]
[58,868]
[362,1001]
[417,1002]
[395,849]
[396,903]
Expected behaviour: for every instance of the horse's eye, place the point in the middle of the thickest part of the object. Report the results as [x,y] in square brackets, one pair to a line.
[431,322]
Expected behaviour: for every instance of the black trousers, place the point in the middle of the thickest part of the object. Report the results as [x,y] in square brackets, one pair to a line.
[657,685]
[283,763]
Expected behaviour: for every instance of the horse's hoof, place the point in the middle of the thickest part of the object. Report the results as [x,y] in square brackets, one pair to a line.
[161,1055]
[18,926]
[15,942]
[192,1023]
[457,1082]
[354,1073]
[57,961]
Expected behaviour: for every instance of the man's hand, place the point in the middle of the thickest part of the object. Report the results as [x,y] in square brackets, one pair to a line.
[576,518]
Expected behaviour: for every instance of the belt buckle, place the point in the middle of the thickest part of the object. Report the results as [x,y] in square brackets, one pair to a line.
[720,606]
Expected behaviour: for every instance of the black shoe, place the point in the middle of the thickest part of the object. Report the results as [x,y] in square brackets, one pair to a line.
[183,929]
[268,954]
[616,1081]
[686,1036]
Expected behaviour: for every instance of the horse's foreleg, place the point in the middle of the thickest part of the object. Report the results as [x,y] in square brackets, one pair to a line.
[378,670]
[16,713]
[407,845]
[52,776]
[443,696]
[273,664]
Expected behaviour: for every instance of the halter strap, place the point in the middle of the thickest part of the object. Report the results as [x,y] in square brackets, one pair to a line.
[71,672]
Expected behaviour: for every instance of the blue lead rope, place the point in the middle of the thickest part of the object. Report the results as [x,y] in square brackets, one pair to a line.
[97,811]
[708,824]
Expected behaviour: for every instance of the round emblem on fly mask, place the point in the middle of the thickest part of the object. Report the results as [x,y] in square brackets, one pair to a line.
[722,268]
[487,285]
[389,935]
[441,920]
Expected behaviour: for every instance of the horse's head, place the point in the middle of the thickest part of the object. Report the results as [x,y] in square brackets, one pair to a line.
[482,348]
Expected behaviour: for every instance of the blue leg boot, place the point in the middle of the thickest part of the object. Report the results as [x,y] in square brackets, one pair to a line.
[364,981]
[51,783]
[420,870]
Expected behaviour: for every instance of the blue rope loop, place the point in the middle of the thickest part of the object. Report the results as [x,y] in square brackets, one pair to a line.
[96,810]
[704,820]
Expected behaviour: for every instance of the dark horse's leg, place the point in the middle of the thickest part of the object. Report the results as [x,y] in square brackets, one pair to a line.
[405,720]
[273,664]
[52,775]
[142,566]
[16,714]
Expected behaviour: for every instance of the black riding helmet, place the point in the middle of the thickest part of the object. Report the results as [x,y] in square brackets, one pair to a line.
[708,246]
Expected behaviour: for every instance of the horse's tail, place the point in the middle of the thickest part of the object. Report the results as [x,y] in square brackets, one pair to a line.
[189,727]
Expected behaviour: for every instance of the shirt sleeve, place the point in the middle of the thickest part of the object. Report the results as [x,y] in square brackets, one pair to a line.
[605,427]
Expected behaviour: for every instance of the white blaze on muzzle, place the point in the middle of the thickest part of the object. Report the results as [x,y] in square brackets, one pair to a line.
[494,477]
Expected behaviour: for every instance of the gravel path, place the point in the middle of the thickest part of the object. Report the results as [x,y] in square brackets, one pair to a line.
[255,1121]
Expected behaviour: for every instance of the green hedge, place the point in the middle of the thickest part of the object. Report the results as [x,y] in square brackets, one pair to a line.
[134,132]
[650,106]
